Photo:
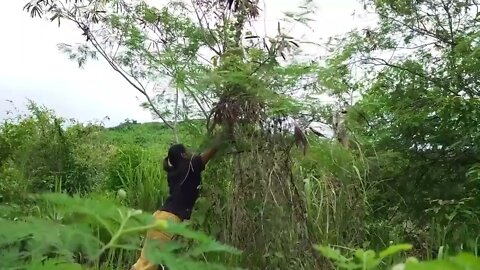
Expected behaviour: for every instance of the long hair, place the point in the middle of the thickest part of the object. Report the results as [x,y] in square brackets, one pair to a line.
[175,164]
[175,154]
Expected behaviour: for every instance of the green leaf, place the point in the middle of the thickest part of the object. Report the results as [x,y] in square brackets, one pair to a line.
[391,250]
[331,253]
[467,260]
[53,264]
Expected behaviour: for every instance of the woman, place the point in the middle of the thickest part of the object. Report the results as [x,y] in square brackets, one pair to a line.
[184,178]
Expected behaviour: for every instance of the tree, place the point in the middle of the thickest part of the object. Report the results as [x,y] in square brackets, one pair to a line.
[234,80]
[176,55]
[419,110]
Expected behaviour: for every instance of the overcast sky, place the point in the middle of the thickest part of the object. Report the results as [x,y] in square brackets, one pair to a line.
[32,67]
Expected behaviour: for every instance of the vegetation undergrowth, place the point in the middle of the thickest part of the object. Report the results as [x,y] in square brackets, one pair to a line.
[57,230]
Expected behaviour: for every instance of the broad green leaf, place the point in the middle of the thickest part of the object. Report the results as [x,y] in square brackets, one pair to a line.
[391,250]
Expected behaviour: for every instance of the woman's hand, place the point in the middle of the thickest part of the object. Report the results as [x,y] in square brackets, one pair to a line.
[219,141]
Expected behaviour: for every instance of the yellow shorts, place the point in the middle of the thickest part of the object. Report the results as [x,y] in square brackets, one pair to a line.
[161,237]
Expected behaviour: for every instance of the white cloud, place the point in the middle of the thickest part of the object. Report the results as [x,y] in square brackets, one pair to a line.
[32,67]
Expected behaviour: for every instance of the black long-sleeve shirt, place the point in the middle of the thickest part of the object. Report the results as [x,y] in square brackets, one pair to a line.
[183,184]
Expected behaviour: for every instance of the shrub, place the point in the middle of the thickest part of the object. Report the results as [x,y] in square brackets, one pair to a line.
[39,147]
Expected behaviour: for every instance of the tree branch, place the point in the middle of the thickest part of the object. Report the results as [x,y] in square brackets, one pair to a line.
[119,70]
[423,76]
[218,52]
[175,133]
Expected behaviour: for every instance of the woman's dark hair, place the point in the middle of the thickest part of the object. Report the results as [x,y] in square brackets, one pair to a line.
[174,156]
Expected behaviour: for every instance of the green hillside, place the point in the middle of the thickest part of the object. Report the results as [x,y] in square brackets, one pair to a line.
[153,134]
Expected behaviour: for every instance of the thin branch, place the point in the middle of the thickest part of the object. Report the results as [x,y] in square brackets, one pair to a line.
[175,132]
[189,89]
[416,47]
[437,83]
[196,101]
[118,69]
[419,30]
[208,28]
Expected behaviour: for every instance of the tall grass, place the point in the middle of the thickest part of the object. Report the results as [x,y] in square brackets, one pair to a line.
[335,193]
[143,179]
[275,216]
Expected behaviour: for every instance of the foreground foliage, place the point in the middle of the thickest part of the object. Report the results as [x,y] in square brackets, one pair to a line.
[369,260]
[94,232]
